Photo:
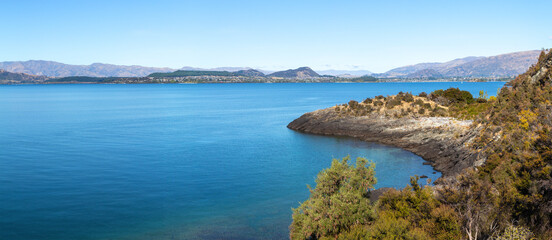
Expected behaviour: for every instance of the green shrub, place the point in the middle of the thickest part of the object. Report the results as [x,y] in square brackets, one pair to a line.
[452,96]
[337,203]
[515,233]
[439,111]
[353,104]
[418,102]
[408,97]
[392,103]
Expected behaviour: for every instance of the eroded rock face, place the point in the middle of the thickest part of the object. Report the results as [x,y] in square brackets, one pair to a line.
[442,141]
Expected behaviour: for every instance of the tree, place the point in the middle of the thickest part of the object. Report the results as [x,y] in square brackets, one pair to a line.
[337,203]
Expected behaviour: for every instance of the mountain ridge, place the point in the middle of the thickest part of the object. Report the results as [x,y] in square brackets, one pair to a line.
[57,69]
[503,65]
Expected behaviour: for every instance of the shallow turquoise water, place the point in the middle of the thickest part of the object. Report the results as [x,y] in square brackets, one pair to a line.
[205,161]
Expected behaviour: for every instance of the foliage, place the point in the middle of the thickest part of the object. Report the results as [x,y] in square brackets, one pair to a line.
[451,96]
[353,104]
[515,233]
[410,213]
[516,176]
[414,213]
[337,203]
[367,101]
[406,97]
[393,103]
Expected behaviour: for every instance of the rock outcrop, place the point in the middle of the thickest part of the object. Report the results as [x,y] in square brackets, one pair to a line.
[442,141]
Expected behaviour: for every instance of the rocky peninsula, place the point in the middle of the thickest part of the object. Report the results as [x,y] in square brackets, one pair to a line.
[440,140]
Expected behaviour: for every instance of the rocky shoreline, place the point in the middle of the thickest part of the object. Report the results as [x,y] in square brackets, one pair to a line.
[442,141]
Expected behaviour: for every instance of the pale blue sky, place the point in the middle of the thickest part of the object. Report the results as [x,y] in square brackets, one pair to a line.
[369,35]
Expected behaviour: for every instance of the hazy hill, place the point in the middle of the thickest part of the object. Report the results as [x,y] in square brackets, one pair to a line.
[196,73]
[505,65]
[425,74]
[302,72]
[403,71]
[56,69]
[20,77]
[221,69]
[351,73]
[250,73]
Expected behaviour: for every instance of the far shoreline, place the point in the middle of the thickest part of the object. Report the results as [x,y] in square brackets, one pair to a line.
[168,83]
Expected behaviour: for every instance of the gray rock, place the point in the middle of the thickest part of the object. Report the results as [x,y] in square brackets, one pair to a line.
[439,140]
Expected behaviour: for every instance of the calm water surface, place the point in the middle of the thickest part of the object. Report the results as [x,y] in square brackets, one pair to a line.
[205,161]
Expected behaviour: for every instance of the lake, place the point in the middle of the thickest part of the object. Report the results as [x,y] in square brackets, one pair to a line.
[175,161]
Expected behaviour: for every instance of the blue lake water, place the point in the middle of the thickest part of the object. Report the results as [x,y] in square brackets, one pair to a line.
[175,161]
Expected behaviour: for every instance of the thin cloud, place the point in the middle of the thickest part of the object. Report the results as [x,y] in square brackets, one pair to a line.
[550,37]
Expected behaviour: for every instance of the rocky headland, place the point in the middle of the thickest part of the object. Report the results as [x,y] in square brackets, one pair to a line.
[442,141]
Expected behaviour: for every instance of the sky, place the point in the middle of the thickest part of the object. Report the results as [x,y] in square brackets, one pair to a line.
[270,35]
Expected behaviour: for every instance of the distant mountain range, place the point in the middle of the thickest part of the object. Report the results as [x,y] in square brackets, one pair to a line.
[56,69]
[505,65]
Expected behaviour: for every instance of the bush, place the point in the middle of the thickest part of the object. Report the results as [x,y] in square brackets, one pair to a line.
[353,104]
[338,201]
[414,213]
[392,103]
[452,95]
[421,111]
[422,94]
[408,98]
[481,100]
[367,101]
[517,233]
[418,102]
[368,108]
[439,111]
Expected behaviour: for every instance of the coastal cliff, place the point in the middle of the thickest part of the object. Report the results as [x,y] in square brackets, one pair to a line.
[442,141]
